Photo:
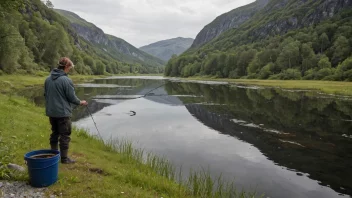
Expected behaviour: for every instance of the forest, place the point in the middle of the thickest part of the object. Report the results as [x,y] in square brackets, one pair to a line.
[33,37]
[317,52]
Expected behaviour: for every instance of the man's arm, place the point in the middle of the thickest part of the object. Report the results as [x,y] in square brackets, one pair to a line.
[70,93]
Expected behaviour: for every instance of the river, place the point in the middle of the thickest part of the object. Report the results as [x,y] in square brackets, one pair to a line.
[283,143]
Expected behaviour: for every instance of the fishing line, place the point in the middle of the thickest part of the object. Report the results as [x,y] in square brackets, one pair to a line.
[126,97]
[94,123]
[133,112]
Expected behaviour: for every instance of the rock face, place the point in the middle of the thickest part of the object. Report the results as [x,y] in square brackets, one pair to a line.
[227,21]
[116,47]
[166,48]
[302,14]
[270,17]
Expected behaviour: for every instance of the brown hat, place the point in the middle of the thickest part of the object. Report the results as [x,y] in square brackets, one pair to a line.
[64,61]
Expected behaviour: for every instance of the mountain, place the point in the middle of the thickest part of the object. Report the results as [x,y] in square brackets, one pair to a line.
[116,47]
[166,48]
[33,37]
[274,39]
[226,21]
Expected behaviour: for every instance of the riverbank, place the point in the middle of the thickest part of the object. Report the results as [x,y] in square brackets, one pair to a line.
[328,87]
[113,169]
[100,171]
[12,83]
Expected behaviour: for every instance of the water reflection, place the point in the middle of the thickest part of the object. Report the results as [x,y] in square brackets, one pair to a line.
[294,129]
[301,131]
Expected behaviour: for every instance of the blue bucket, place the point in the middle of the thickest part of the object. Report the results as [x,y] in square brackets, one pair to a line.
[43,167]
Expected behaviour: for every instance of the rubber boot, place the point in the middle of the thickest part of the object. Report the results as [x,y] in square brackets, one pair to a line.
[54,147]
[65,159]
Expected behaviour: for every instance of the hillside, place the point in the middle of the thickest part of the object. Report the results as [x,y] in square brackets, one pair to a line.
[116,47]
[229,20]
[285,39]
[33,37]
[166,48]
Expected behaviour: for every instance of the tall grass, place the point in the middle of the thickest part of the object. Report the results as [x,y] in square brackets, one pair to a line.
[198,183]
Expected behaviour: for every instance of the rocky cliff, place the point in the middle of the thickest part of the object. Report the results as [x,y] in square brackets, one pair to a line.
[270,17]
[228,21]
[285,15]
[116,47]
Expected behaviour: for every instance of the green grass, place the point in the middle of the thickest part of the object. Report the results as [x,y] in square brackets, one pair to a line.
[111,169]
[11,83]
[328,87]
[100,171]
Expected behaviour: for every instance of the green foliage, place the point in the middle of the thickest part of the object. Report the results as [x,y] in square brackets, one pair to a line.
[11,4]
[289,74]
[314,52]
[289,56]
[324,62]
[100,68]
[33,37]
[344,70]
[341,49]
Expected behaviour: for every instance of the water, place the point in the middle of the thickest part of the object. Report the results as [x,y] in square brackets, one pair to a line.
[282,143]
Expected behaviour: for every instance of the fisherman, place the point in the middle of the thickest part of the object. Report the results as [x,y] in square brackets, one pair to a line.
[60,98]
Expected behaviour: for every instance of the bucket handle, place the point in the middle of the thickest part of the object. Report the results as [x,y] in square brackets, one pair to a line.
[45,167]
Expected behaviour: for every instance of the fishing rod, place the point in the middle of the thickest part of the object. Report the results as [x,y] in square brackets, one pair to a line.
[125,97]
[152,90]
[94,123]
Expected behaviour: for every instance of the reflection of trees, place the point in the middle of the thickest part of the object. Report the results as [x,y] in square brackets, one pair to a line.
[139,86]
[94,106]
[313,122]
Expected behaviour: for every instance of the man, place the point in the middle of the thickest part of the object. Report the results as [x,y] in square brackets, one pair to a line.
[59,97]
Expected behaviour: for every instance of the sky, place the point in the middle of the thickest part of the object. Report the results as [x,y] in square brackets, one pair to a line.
[141,22]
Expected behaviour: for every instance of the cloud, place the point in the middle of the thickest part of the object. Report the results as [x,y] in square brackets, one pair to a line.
[141,22]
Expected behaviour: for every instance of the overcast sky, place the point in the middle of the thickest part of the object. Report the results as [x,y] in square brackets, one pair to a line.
[141,22]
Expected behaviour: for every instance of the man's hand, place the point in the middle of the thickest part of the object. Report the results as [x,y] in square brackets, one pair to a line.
[83,103]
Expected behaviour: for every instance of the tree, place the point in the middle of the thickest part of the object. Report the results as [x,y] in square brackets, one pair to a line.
[341,50]
[100,68]
[89,61]
[78,61]
[10,48]
[110,68]
[244,59]
[308,58]
[11,4]
[255,65]
[344,70]
[49,4]
[324,62]
[265,72]
[324,42]
[211,65]
[289,57]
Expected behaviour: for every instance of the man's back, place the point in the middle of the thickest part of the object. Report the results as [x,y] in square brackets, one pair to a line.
[59,95]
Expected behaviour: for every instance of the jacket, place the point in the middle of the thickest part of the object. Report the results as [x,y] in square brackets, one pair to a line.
[60,96]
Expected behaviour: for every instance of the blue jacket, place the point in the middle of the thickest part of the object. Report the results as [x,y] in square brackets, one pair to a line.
[60,96]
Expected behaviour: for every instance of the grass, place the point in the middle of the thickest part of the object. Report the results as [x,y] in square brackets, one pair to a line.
[11,83]
[104,169]
[328,87]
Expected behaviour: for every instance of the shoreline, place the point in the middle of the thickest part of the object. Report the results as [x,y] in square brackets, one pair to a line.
[115,166]
[337,88]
